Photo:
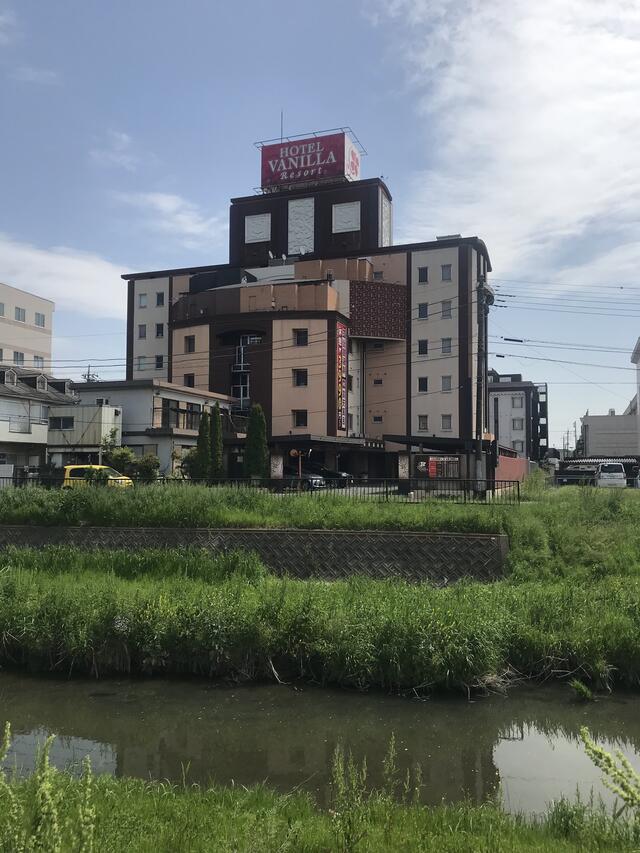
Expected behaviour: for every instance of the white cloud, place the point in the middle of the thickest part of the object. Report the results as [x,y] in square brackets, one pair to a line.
[174,215]
[529,115]
[39,76]
[74,280]
[116,150]
[7,26]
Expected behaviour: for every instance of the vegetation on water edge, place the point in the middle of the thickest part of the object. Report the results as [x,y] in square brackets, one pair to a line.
[224,617]
[55,812]
[593,532]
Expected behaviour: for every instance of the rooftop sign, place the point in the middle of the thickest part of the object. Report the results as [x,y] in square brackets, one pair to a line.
[298,161]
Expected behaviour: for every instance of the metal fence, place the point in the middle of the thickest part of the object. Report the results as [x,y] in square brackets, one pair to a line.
[444,490]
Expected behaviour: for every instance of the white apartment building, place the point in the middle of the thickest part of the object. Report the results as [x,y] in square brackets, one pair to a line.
[25,329]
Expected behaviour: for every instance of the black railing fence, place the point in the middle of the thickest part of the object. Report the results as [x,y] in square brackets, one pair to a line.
[452,490]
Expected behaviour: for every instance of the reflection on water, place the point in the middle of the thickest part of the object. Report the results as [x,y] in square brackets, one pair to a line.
[523,748]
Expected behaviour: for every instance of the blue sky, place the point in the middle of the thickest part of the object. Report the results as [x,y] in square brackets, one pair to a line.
[128,126]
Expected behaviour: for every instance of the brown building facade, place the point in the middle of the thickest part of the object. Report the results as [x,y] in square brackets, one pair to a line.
[353,346]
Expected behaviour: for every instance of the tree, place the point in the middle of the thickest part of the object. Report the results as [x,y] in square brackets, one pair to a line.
[147,467]
[216,442]
[256,451]
[197,462]
[122,459]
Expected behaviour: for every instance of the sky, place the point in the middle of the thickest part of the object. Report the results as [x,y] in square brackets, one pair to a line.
[126,128]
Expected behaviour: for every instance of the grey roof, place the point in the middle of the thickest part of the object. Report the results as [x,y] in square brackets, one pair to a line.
[23,391]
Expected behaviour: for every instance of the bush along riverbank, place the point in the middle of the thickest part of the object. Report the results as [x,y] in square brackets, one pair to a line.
[53,811]
[224,617]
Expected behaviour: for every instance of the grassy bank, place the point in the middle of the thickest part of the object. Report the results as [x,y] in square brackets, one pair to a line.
[51,811]
[224,618]
[595,533]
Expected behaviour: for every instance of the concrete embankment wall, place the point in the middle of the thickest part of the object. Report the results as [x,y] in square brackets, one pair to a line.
[437,558]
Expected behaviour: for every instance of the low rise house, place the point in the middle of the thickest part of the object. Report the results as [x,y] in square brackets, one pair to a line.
[155,416]
[76,435]
[26,397]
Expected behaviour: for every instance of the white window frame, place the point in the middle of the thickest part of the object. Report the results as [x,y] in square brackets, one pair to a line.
[446,348]
[423,423]
[445,313]
[517,403]
[442,421]
[142,300]
[346,217]
[257,228]
[449,378]
[448,267]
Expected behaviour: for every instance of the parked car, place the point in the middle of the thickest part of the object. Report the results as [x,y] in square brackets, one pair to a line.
[81,475]
[307,481]
[332,478]
[611,475]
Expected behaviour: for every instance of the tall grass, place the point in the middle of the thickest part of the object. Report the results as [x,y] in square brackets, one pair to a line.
[593,533]
[357,633]
[200,506]
[54,812]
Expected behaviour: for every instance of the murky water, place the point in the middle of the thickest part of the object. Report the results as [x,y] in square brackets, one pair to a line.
[523,747]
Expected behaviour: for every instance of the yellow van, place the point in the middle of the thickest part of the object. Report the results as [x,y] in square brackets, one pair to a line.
[82,475]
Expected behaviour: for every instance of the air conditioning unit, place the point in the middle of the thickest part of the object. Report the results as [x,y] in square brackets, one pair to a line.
[102,401]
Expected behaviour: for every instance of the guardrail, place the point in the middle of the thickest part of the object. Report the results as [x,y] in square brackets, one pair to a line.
[446,490]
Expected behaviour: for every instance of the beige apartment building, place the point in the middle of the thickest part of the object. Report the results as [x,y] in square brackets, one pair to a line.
[25,329]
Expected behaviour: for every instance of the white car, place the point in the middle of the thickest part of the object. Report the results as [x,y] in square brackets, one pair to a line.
[611,475]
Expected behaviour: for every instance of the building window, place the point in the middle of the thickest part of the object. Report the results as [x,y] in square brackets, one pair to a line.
[517,423]
[159,362]
[38,361]
[423,384]
[518,445]
[61,423]
[446,346]
[516,402]
[142,331]
[377,381]
[1,309]
[300,378]
[142,300]
[20,314]
[160,299]
[446,309]
[159,330]
[423,347]
[423,310]
[446,422]
[39,319]
[189,380]
[350,346]
[377,419]
[423,423]
[446,272]
[142,362]
[18,359]
[349,382]
[346,217]
[423,275]
[189,343]
[446,383]
[299,417]
[1,355]
[257,229]
[300,337]
[378,275]
[350,421]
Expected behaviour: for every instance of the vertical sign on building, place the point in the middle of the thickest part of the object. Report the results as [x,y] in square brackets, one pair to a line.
[341,374]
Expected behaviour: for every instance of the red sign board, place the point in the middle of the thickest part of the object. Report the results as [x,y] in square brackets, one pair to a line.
[305,160]
[341,375]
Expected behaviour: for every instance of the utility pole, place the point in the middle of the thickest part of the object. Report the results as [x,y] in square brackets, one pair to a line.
[480,376]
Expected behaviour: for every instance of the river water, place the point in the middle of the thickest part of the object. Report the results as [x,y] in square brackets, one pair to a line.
[522,748]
